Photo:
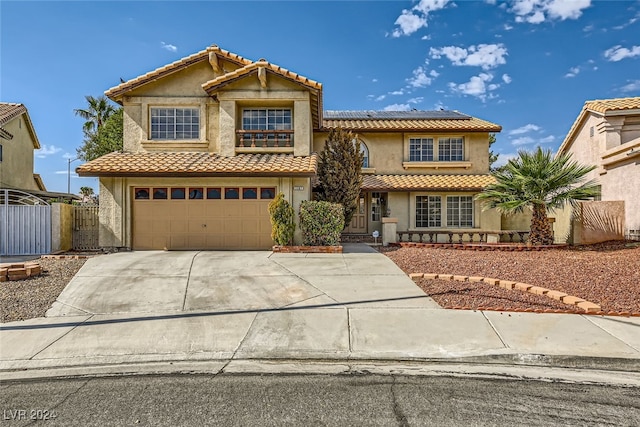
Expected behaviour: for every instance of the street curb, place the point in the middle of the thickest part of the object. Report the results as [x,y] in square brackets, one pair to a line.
[164,365]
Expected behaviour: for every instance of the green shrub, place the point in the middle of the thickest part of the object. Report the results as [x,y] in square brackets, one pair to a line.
[321,223]
[282,225]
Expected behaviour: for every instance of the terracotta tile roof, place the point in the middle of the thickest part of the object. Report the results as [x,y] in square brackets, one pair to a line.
[115,92]
[616,104]
[229,77]
[9,111]
[315,87]
[470,124]
[600,106]
[198,164]
[426,182]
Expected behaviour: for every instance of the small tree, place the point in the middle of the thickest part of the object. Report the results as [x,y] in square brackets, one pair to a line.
[339,171]
[321,223]
[540,182]
[107,139]
[493,157]
[282,226]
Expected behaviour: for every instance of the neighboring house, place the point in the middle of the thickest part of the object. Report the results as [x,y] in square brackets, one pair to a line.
[18,140]
[607,134]
[210,139]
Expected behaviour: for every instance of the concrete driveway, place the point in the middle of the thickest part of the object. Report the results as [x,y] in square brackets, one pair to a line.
[158,281]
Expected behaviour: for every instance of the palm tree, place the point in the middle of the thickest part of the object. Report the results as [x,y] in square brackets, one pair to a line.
[540,182]
[86,193]
[97,112]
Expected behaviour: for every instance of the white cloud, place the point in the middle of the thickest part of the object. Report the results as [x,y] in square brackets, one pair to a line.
[381,97]
[487,56]
[523,140]
[412,20]
[633,86]
[169,47]
[506,78]
[629,22]
[525,129]
[547,139]
[426,37]
[47,150]
[508,27]
[573,71]
[618,53]
[434,73]
[68,155]
[397,107]
[73,174]
[476,86]
[419,78]
[374,80]
[416,100]
[504,158]
[538,11]
[397,92]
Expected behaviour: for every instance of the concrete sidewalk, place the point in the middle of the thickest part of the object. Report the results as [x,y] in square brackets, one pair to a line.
[354,307]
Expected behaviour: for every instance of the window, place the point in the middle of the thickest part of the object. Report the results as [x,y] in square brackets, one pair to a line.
[249,193]
[175,123]
[365,154]
[460,211]
[159,194]
[420,149]
[214,193]
[450,150]
[268,193]
[376,206]
[266,119]
[195,193]
[428,211]
[141,193]
[231,193]
[177,193]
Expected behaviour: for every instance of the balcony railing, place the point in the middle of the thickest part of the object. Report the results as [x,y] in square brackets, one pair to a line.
[264,138]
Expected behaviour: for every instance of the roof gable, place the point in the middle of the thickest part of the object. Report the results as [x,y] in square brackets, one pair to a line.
[601,107]
[10,111]
[212,53]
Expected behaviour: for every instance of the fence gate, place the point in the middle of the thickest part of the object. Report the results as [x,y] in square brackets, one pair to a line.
[85,228]
[25,224]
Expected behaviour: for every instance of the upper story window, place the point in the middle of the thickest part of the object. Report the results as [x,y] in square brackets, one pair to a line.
[420,149]
[175,123]
[450,150]
[266,127]
[365,154]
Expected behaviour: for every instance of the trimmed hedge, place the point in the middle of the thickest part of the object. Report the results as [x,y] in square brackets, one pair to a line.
[321,223]
[282,226]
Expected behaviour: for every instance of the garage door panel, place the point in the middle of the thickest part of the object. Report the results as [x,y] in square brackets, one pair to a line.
[201,224]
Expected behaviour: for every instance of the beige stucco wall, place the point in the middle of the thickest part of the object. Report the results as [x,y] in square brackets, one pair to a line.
[388,151]
[16,168]
[61,227]
[595,222]
[116,200]
[220,116]
[609,149]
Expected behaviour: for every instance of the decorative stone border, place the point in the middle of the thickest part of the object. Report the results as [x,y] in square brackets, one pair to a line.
[66,256]
[580,303]
[307,249]
[480,246]
[19,270]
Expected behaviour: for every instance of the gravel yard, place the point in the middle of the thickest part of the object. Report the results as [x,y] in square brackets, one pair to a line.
[606,274]
[26,299]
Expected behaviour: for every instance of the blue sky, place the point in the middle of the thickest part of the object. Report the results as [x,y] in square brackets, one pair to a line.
[527,65]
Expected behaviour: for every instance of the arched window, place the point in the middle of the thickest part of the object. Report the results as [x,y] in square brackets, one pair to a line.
[365,154]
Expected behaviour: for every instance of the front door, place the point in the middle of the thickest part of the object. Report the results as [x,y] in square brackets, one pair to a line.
[358,223]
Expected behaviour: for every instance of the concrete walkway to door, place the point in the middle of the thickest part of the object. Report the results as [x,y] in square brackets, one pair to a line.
[155,281]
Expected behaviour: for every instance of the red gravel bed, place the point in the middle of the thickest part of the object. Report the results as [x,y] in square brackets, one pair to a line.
[606,274]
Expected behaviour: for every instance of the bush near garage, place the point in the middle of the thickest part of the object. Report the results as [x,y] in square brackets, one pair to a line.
[321,223]
[282,225]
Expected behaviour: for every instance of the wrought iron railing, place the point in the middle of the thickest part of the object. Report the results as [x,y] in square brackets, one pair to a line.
[264,138]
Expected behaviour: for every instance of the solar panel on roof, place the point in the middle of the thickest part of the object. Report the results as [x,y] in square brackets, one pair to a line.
[394,115]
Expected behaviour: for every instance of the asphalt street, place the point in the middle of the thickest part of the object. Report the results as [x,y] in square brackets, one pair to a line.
[363,399]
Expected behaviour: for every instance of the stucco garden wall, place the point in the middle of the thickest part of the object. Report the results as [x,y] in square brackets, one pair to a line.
[595,222]
[61,227]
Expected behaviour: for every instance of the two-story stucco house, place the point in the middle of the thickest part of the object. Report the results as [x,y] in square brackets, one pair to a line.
[606,134]
[210,139]
[18,140]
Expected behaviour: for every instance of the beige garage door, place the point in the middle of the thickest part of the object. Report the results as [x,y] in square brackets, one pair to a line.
[202,223]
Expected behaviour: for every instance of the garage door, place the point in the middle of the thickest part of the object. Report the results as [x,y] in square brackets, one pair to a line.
[202,218]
